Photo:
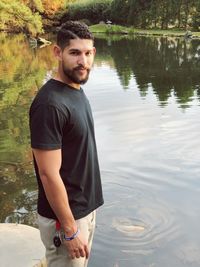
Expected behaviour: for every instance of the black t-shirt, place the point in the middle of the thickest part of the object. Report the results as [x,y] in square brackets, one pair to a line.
[61,118]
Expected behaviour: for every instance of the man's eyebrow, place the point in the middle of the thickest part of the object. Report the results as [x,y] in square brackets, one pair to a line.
[77,50]
[74,50]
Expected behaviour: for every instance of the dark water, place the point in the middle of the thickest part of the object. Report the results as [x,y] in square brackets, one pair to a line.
[145,96]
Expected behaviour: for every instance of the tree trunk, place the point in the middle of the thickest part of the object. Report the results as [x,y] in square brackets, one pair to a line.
[179,14]
[186,14]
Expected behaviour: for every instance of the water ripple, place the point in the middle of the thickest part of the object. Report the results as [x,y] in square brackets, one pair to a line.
[138,221]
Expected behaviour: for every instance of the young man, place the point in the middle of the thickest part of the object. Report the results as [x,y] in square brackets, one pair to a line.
[65,156]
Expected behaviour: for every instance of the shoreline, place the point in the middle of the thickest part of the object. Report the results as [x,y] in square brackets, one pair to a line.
[127,31]
[130,31]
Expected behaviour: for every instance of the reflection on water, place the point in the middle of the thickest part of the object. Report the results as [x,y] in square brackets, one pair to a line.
[169,66]
[145,97]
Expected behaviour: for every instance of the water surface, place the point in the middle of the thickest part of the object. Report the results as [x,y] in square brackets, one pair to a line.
[145,96]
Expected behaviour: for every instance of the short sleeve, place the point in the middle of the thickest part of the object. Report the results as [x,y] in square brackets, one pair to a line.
[46,127]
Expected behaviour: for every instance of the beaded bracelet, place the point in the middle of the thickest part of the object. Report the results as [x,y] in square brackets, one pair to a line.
[69,238]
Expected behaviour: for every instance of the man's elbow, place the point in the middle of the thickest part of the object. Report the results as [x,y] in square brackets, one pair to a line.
[47,176]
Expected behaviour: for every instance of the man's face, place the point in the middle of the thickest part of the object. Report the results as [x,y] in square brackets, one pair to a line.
[77,60]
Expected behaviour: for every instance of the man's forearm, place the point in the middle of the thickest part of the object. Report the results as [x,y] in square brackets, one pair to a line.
[58,199]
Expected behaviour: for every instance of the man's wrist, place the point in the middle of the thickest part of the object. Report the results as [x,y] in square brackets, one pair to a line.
[71,237]
[69,230]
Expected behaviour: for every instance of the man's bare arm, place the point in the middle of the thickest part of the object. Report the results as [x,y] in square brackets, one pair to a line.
[49,163]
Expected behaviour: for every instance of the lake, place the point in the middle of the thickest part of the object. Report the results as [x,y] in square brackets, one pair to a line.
[145,96]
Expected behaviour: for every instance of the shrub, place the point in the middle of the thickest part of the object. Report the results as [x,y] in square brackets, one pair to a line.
[94,10]
[86,21]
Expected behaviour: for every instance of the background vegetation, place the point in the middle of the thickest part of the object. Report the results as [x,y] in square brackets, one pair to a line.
[30,16]
[36,16]
[163,14]
[89,10]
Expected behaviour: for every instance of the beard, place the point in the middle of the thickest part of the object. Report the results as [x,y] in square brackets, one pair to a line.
[74,76]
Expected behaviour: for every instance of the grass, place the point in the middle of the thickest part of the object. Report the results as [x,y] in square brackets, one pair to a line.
[103,28]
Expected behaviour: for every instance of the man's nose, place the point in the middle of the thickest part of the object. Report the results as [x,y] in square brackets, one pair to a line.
[82,60]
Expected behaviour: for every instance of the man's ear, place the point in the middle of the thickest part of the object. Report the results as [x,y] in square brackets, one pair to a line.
[57,52]
[94,50]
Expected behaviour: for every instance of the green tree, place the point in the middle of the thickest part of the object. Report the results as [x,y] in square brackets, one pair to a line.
[137,15]
[119,11]
[196,17]
[187,9]
[157,13]
[93,10]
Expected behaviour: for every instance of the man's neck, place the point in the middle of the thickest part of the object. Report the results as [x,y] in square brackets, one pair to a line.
[62,79]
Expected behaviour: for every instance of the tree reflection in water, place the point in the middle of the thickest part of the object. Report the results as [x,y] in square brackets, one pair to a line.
[168,65]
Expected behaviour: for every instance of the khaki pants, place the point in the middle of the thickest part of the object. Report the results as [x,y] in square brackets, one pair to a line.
[58,257]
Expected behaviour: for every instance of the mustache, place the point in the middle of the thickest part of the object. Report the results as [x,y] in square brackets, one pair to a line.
[80,68]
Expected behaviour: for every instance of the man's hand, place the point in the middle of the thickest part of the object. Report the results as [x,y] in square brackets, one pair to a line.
[77,247]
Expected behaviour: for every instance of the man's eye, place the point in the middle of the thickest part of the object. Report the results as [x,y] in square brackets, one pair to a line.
[89,53]
[74,53]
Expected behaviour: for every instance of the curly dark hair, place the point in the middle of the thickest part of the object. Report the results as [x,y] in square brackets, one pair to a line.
[73,30]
